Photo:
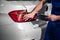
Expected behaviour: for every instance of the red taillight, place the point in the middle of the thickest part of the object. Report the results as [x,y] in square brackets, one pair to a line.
[17,16]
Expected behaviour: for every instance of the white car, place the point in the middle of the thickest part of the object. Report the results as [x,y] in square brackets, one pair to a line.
[19,31]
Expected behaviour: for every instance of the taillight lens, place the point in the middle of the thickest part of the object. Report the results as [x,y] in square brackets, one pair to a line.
[17,16]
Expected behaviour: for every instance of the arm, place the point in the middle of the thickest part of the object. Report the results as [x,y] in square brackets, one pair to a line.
[54,17]
[38,7]
[58,17]
[35,10]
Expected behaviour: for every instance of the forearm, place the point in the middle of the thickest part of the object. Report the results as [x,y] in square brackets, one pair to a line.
[58,17]
[39,6]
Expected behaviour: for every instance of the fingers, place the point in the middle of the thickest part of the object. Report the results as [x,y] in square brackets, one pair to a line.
[28,16]
[52,17]
[25,17]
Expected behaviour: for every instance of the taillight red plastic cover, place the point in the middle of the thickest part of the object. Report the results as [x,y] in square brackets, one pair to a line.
[17,16]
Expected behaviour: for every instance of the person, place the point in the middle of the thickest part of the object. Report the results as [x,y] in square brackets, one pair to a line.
[53,27]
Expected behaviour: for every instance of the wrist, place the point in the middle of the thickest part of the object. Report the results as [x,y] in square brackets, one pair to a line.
[58,17]
[34,12]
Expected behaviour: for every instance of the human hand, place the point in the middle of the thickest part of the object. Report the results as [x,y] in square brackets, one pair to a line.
[53,17]
[28,16]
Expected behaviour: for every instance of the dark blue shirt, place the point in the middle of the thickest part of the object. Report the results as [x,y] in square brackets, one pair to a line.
[55,7]
[53,27]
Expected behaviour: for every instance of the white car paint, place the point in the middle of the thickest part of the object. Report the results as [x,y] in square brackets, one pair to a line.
[18,31]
